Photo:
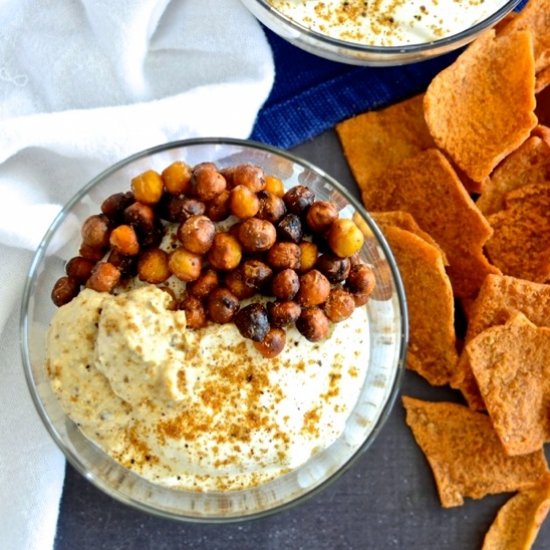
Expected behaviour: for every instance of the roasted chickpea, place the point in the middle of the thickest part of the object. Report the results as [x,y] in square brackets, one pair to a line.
[79,268]
[148,187]
[207,182]
[195,314]
[272,207]
[361,298]
[284,256]
[141,216]
[153,266]
[250,176]
[64,290]
[218,208]
[285,284]
[177,178]
[290,229]
[105,276]
[95,231]
[123,239]
[320,216]
[273,343]
[314,289]
[204,285]
[282,314]
[185,265]
[179,209]
[274,185]
[222,306]
[335,269]
[243,202]
[345,238]
[308,255]
[256,274]
[152,238]
[313,324]
[298,199]
[234,280]
[361,279]
[91,253]
[127,265]
[114,205]
[339,305]
[252,322]
[197,234]
[257,235]
[225,252]
[227,173]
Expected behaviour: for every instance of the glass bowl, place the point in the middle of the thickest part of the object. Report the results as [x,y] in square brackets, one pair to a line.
[356,53]
[387,336]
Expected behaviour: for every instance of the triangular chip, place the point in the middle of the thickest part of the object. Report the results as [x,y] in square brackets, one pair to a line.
[375,141]
[405,220]
[498,297]
[427,187]
[480,108]
[511,364]
[465,453]
[530,163]
[518,522]
[432,343]
[535,17]
[520,245]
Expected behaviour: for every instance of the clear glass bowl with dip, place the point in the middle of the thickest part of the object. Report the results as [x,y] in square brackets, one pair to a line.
[384,32]
[380,357]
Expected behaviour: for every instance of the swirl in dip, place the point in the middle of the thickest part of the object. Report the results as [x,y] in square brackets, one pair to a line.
[387,22]
[199,409]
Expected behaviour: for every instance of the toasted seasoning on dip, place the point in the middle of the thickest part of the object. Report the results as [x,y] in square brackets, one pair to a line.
[387,22]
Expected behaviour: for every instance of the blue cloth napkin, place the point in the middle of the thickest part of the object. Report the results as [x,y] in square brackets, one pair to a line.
[311,94]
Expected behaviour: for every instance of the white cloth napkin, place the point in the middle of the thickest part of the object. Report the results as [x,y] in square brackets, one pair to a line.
[82,85]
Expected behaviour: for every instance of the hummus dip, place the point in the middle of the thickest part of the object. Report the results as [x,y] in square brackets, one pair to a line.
[199,409]
[387,22]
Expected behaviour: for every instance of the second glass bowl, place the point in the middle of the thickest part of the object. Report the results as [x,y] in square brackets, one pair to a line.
[355,53]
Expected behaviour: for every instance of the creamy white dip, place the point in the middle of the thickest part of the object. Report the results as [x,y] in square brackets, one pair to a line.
[387,22]
[201,409]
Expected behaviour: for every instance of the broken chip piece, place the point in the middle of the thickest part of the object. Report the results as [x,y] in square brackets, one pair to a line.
[535,17]
[465,454]
[517,523]
[480,108]
[405,220]
[530,163]
[511,364]
[375,141]
[520,245]
[427,187]
[432,342]
[498,297]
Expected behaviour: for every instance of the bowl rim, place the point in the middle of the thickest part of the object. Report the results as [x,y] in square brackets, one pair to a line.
[460,38]
[73,458]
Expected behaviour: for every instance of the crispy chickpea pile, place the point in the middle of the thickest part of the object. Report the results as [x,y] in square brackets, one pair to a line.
[237,235]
